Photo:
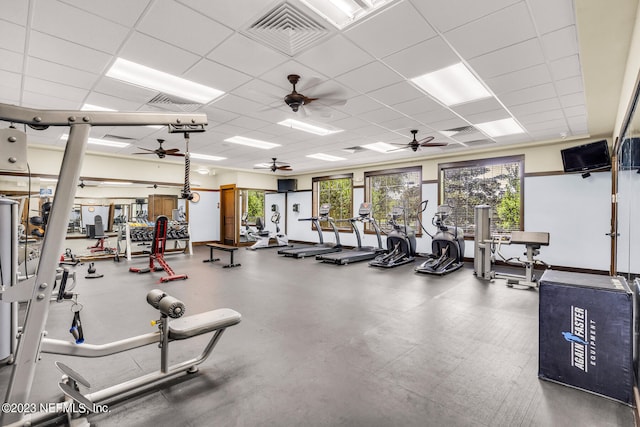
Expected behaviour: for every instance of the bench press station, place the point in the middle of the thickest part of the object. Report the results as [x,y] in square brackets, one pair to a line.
[37,290]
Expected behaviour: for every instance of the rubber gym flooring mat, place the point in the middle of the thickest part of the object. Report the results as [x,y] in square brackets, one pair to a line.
[324,345]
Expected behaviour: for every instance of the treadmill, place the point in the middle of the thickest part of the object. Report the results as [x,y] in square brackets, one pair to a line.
[321,247]
[359,253]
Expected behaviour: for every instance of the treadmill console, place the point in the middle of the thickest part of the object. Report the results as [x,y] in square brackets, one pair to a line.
[365,209]
[324,209]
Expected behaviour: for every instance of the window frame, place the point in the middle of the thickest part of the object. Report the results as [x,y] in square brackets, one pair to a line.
[315,194]
[491,161]
[394,171]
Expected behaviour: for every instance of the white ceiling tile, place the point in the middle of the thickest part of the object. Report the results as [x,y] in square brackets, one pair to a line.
[369,77]
[77,26]
[560,43]
[547,125]
[576,110]
[11,61]
[215,75]
[245,55]
[263,92]
[399,123]
[488,116]
[447,14]
[113,9]
[523,96]
[350,123]
[396,93]
[401,20]
[451,123]
[569,85]
[12,36]
[13,11]
[435,116]
[416,106]
[382,114]
[237,104]
[10,86]
[572,100]
[44,101]
[479,106]
[217,116]
[125,91]
[578,125]
[153,53]
[535,107]
[188,29]
[512,58]
[542,116]
[566,67]
[248,123]
[231,13]
[551,15]
[60,73]
[516,80]
[498,30]
[112,102]
[57,90]
[53,49]
[424,57]
[359,104]
[344,54]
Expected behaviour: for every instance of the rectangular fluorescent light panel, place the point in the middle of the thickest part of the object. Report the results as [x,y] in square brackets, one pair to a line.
[255,143]
[48,179]
[341,13]
[140,75]
[326,157]
[381,147]
[307,127]
[500,127]
[206,157]
[98,141]
[452,85]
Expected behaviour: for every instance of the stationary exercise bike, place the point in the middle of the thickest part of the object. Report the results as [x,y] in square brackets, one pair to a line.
[447,245]
[263,236]
[401,242]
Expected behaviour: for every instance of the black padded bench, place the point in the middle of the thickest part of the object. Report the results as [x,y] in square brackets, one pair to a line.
[226,248]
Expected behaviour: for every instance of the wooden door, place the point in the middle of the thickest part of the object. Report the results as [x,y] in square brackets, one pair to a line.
[228,214]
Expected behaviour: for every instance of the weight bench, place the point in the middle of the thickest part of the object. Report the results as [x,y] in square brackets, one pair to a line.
[226,248]
[179,328]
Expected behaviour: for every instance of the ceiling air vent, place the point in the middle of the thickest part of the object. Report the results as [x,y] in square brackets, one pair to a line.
[353,150]
[287,29]
[173,103]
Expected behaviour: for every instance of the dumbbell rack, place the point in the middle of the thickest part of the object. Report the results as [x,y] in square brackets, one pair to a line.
[143,233]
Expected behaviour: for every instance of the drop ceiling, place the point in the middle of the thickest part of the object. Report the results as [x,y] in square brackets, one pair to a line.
[547,63]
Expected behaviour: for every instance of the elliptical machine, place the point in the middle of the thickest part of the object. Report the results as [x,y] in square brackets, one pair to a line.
[401,243]
[263,237]
[447,245]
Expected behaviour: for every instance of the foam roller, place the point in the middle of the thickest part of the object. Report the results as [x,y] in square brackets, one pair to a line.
[172,307]
[155,296]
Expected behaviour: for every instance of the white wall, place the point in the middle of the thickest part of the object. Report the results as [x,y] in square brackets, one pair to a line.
[628,209]
[204,217]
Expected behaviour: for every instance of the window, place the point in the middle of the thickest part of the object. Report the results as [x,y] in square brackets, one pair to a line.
[338,191]
[390,188]
[496,182]
[252,203]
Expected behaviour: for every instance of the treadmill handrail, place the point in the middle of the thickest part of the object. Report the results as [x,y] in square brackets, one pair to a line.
[316,222]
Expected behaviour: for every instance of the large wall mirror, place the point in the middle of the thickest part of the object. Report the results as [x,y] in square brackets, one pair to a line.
[251,207]
[628,182]
[116,202]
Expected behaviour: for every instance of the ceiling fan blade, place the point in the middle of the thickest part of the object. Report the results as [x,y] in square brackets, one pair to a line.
[434,144]
[284,168]
[307,84]
[398,149]
[425,140]
[171,150]
[147,149]
[175,154]
[152,152]
[308,100]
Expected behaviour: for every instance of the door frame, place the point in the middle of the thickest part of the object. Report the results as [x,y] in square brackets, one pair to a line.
[236,232]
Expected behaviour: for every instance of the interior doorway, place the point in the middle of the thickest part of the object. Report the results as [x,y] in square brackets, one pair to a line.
[228,204]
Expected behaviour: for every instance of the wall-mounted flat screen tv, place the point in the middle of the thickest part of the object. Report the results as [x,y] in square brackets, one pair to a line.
[285,185]
[587,157]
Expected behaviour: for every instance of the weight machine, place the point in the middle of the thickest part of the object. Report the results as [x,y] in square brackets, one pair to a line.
[488,245]
[37,290]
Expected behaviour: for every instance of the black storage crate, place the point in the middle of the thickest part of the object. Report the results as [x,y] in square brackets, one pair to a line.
[586,333]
